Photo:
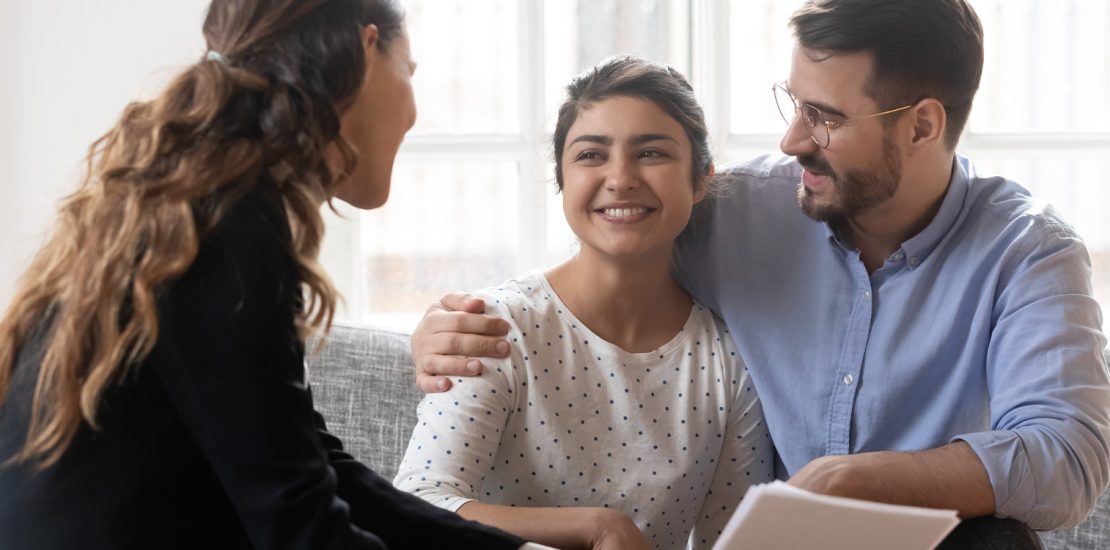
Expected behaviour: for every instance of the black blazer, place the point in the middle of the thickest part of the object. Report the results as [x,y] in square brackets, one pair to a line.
[213,441]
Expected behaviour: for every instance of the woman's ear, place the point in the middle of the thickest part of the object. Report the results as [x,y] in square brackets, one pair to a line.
[370,42]
[370,45]
[370,36]
[707,182]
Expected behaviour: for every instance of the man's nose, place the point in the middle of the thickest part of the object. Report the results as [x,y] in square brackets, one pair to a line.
[798,140]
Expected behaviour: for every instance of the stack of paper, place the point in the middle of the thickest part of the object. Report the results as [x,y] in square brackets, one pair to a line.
[776,516]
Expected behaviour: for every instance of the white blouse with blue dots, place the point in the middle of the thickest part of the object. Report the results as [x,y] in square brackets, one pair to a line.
[672,437]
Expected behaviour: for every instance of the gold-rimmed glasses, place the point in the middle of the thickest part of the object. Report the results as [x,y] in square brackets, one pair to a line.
[819,124]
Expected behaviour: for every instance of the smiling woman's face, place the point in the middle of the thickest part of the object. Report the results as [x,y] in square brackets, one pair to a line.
[627,188]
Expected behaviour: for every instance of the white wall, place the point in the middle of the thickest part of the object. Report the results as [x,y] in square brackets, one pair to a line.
[68,68]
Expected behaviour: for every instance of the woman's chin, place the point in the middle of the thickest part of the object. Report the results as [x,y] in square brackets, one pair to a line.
[366,196]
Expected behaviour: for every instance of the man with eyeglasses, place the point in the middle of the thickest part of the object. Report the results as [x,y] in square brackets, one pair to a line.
[923,334]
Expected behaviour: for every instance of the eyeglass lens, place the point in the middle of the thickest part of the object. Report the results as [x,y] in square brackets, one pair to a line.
[814,121]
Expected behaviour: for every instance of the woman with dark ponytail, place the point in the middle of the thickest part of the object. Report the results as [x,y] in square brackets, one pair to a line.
[151,363]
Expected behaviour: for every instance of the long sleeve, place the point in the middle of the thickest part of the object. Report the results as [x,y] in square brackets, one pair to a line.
[746,459]
[982,327]
[1047,453]
[457,436]
[230,361]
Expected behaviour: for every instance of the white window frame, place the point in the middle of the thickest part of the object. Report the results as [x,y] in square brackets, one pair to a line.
[528,149]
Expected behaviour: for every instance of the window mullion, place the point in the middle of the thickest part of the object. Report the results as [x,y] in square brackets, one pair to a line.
[530,38]
[709,68]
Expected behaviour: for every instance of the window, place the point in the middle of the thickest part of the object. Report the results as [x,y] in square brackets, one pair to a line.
[473,199]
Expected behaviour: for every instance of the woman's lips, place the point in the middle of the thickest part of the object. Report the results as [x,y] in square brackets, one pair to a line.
[625,215]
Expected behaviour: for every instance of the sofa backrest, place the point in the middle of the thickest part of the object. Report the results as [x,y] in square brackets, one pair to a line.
[363,383]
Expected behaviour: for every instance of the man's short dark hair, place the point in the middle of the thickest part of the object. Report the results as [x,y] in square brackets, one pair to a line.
[922,49]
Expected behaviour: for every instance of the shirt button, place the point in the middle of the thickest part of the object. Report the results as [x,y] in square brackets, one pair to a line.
[898,256]
[848,379]
[866,295]
[914,261]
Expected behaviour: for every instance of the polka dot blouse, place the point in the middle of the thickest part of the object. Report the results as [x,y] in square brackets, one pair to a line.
[672,437]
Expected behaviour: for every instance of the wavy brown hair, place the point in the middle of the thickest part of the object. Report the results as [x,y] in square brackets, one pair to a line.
[261,111]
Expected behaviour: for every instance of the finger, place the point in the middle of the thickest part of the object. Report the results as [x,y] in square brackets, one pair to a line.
[474,305]
[462,323]
[464,334]
[429,383]
[451,365]
[461,301]
[469,345]
[477,324]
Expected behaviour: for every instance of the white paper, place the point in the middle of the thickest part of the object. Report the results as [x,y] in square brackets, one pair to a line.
[776,516]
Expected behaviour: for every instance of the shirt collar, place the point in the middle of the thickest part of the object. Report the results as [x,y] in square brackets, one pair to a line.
[918,247]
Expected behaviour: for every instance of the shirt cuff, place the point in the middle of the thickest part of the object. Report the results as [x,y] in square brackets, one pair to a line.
[1003,456]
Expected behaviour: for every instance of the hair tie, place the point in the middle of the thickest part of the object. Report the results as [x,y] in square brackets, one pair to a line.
[216,56]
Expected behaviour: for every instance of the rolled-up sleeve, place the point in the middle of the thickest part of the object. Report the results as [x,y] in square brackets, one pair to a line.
[1047,452]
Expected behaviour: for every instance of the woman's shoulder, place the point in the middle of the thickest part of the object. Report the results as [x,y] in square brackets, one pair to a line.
[255,217]
[247,235]
[527,298]
[705,319]
[244,268]
[713,331]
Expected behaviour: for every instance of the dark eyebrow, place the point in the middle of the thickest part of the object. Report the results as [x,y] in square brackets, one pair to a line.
[593,138]
[828,110]
[608,141]
[642,139]
[824,108]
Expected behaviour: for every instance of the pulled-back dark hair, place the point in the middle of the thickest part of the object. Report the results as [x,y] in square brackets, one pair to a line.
[922,49]
[631,76]
[264,105]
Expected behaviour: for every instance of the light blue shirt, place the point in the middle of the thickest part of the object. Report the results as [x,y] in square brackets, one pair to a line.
[982,327]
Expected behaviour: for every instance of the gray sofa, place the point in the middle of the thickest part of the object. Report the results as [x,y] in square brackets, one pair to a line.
[362,381]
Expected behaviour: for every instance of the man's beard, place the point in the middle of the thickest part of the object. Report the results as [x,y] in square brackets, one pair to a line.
[857,190]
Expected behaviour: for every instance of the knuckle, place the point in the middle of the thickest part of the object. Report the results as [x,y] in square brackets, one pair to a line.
[426,383]
[486,346]
[452,301]
[456,343]
[493,325]
[433,365]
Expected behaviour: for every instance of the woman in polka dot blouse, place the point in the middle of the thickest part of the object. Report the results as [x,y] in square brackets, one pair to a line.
[624,417]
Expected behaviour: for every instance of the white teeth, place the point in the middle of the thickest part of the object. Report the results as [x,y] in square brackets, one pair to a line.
[624,212]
